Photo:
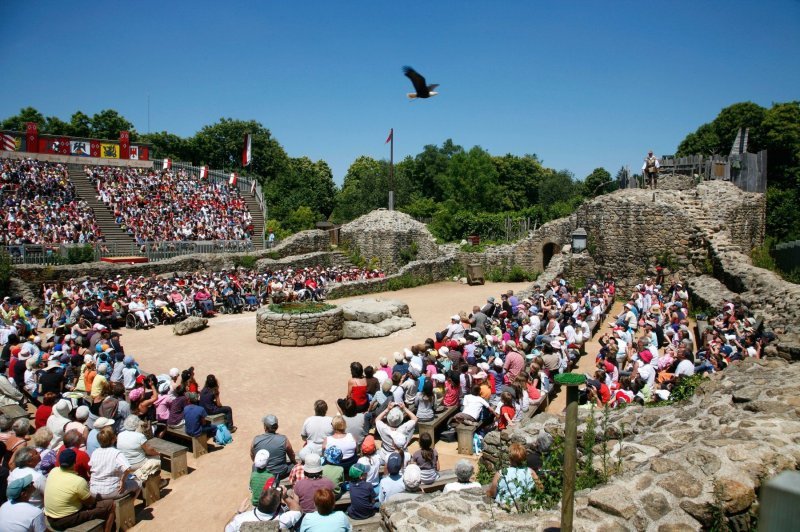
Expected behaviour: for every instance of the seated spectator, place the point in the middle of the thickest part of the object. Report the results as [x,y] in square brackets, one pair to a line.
[344,441]
[44,410]
[281,454]
[313,481]
[514,481]
[80,415]
[259,475]
[332,468]
[356,388]
[270,507]
[111,478]
[68,501]
[427,458]
[505,417]
[209,399]
[395,434]
[362,494]
[25,461]
[464,471]
[18,513]
[92,444]
[144,460]
[74,440]
[195,420]
[357,422]
[371,461]
[412,478]
[392,483]
[41,442]
[176,407]
[325,519]
[316,429]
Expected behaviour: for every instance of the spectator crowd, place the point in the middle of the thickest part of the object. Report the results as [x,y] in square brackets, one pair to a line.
[487,369]
[96,409]
[170,205]
[38,206]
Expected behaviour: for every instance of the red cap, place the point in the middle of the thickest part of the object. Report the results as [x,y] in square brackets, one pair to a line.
[140,379]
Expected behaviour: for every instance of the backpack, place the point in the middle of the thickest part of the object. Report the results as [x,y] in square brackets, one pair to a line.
[223,435]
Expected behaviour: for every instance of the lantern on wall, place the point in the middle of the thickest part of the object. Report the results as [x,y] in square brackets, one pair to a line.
[578,240]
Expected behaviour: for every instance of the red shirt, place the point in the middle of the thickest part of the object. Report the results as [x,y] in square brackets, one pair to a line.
[81,461]
[42,413]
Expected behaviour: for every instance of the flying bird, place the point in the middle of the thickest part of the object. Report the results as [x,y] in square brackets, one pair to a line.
[423,90]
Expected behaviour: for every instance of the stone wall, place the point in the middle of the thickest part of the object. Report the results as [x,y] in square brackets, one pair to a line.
[430,271]
[675,182]
[685,466]
[299,330]
[384,234]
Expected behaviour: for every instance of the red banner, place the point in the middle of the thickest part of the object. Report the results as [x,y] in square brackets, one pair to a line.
[32,137]
[55,145]
[124,145]
[94,148]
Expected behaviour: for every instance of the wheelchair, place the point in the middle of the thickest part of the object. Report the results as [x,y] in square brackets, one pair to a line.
[132,321]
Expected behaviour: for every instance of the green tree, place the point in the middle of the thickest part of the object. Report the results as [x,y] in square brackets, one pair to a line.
[472,179]
[108,123]
[717,136]
[301,219]
[55,126]
[169,146]
[305,182]
[521,177]
[220,145]
[364,189]
[558,186]
[432,165]
[783,217]
[19,121]
[780,135]
[80,124]
[598,182]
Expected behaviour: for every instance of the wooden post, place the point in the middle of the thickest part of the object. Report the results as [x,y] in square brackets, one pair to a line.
[571,381]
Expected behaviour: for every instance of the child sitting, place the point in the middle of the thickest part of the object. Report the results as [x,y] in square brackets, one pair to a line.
[507,412]
[362,494]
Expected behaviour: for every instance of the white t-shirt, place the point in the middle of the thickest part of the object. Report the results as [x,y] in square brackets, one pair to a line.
[473,404]
[458,486]
[347,445]
[373,462]
[130,443]
[21,517]
[647,373]
[390,435]
[107,465]
[685,367]
[39,482]
[316,429]
[286,520]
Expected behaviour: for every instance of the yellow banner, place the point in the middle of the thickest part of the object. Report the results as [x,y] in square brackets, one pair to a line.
[109,151]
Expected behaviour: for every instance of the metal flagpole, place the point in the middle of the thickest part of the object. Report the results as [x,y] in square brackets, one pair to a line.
[391,171]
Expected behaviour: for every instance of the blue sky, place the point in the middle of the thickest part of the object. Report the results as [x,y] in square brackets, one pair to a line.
[581,84]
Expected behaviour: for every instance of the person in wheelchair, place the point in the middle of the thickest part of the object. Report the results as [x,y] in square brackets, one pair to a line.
[204,301]
[178,302]
[231,300]
[163,310]
[138,307]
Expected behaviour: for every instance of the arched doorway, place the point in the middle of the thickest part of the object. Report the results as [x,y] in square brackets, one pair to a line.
[548,250]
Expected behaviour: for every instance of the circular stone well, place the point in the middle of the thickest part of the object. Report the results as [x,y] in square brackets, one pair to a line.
[298,330]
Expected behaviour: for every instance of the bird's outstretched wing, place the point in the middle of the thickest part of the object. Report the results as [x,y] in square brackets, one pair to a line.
[433,86]
[416,79]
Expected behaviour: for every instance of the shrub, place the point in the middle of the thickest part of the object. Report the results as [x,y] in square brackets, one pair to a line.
[80,254]
[409,253]
[305,307]
[245,261]
[515,274]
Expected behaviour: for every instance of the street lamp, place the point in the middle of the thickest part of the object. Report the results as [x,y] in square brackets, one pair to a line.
[578,240]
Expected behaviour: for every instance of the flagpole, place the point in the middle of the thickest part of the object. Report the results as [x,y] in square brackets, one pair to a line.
[391,172]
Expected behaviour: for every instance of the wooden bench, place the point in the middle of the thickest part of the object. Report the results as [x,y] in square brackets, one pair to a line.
[446,476]
[173,457]
[95,525]
[15,412]
[199,443]
[429,427]
[125,512]
[151,489]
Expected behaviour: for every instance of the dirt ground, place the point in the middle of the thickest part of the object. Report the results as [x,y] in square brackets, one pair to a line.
[258,379]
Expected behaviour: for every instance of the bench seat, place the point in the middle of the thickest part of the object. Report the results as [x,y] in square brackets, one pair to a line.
[441,418]
[173,456]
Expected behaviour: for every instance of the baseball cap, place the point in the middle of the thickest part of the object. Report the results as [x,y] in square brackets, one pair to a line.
[16,487]
[260,461]
[368,445]
[270,420]
[101,422]
[67,458]
[394,463]
[357,470]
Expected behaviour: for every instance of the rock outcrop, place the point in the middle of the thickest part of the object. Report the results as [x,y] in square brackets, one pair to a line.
[189,325]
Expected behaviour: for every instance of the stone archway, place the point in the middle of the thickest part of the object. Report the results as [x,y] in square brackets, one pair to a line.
[548,250]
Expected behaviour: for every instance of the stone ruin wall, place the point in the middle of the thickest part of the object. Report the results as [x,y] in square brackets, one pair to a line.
[684,467]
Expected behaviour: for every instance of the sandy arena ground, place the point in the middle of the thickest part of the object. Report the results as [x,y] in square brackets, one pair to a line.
[258,379]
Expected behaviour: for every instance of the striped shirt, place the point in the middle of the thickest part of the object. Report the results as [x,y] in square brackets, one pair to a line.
[107,466]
